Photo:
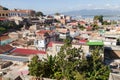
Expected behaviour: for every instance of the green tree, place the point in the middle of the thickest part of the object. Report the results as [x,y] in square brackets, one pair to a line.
[6,26]
[67,61]
[81,27]
[106,23]
[97,70]
[49,66]
[70,64]
[36,68]
[2,29]
[78,76]
[39,13]
[57,14]
[98,18]
[93,68]
[4,8]
[95,27]
[67,42]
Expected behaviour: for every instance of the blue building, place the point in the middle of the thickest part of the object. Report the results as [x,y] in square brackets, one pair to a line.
[5,40]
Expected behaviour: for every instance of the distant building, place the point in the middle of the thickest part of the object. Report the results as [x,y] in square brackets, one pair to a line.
[54,47]
[16,12]
[111,39]
[34,21]
[62,18]
[42,40]
[112,52]
[17,19]
[21,13]
[99,44]
[3,13]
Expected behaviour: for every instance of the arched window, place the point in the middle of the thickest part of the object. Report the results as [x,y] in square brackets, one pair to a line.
[3,14]
[6,14]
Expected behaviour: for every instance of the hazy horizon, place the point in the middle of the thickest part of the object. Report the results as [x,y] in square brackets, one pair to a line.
[53,6]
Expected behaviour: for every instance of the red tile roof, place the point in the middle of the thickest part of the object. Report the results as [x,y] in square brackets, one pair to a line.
[28,51]
[57,42]
[82,41]
[82,22]
[5,48]
[50,44]
[2,19]
[4,38]
[43,31]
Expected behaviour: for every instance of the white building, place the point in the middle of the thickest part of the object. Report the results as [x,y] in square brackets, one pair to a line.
[40,44]
[17,13]
[110,39]
[17,19]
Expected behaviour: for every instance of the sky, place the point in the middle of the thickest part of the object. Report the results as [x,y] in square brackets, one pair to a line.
[54,6]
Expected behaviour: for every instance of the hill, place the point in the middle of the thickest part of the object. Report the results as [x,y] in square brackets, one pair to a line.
[93,12]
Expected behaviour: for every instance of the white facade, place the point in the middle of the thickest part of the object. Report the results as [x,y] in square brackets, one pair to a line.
[110,40]
[40,44]
[110,43]
[25,33]
[17,19]
[15,13]
[58,17]
[63,36]
[56,48]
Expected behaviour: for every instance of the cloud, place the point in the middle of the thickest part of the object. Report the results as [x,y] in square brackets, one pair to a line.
[94,6]
[116,6]
[89,5]
[108,5]
[111,6]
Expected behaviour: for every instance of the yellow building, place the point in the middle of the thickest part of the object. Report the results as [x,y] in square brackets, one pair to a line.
[3,12]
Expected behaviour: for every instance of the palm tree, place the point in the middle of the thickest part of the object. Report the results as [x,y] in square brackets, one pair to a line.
[49,66]
[36,68]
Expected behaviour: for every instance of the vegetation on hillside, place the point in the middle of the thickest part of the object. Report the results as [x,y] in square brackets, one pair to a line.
[8,26]
[98,18]
[39,13]
[81,27]
[70,64]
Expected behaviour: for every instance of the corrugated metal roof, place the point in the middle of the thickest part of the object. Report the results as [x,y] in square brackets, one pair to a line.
[95,43]
[13,58]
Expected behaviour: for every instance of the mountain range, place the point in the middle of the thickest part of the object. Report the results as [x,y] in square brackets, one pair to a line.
[93,12]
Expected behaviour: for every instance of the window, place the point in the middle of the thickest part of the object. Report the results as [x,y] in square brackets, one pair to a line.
[3,14]
[58,48]
[6,14]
